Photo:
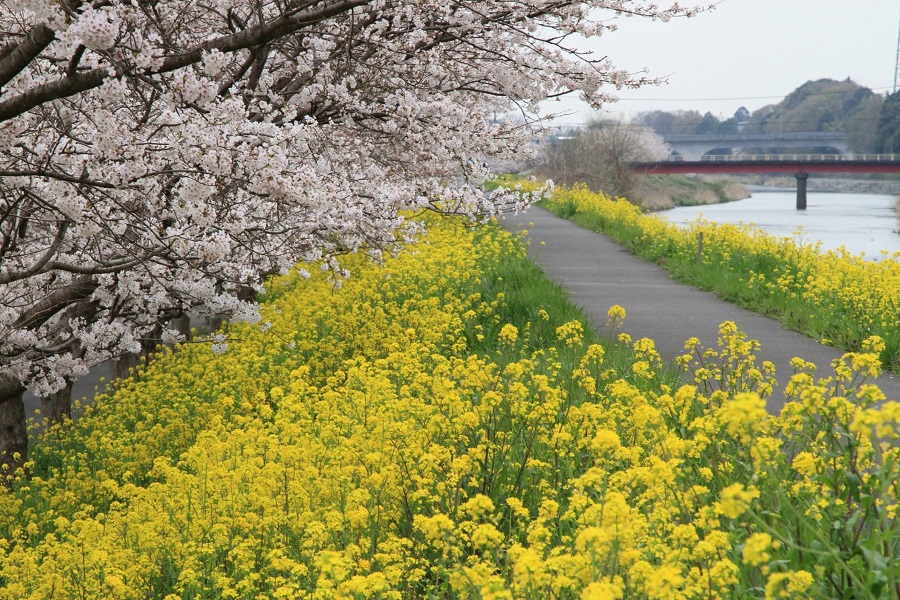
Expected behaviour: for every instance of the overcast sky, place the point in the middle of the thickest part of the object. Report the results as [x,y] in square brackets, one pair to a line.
[750,53]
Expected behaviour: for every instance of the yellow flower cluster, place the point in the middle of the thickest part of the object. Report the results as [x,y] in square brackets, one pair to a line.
[834,296]
[410,435]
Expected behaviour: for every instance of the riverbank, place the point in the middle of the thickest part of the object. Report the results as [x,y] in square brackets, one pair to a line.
[661,192]
[826,184]
[860,223]
[838,296]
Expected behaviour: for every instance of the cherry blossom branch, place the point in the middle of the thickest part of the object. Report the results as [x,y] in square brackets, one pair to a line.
[61,297]
[18,59]
[255,36]
[56,175]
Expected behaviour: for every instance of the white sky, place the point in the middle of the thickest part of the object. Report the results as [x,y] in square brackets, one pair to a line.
[749,53]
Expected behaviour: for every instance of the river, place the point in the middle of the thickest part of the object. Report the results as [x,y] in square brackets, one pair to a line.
[862,223]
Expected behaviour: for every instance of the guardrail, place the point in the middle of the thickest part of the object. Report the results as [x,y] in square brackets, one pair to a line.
[873,158]
[755,137]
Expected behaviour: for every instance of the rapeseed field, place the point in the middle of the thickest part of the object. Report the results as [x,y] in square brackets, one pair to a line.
[444,425]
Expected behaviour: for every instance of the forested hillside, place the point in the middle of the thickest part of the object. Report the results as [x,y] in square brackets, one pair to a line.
[822,105]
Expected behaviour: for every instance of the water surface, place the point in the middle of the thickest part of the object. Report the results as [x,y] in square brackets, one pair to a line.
[863,223]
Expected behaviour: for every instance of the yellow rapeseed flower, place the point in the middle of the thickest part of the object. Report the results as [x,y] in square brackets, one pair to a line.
[735,500]
[757,549]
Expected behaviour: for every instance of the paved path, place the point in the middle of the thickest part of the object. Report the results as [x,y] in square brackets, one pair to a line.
[599,273]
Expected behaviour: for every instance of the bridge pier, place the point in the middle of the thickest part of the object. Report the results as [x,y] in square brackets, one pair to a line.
[802,176]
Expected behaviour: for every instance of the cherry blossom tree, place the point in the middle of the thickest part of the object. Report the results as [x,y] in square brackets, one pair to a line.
[164,157]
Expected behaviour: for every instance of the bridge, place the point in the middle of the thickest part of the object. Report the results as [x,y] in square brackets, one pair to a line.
[801,165]
[697,144]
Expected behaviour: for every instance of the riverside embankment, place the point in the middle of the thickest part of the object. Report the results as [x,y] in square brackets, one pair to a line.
[861,223]
[599,273]
[831,184]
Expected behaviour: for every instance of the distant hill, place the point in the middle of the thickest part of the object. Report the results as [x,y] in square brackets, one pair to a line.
[822,105]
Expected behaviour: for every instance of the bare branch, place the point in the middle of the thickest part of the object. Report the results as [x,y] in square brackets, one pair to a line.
[56,301]
[42,262]
[76,58]
[59,176]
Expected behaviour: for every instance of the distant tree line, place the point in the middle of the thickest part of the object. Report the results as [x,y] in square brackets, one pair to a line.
[598,154]
[692,122]
[871,121]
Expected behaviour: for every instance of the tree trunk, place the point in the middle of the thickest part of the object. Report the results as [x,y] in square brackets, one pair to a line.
[13,437]
[123,365]
[57,407]
[182,325]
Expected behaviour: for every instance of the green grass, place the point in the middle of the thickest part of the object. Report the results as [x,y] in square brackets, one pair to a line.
[506,180]
[528,294]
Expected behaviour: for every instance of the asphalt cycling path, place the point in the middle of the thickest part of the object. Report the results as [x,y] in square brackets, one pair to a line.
[599,273]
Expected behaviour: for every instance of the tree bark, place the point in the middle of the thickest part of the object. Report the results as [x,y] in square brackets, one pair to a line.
[58,407]
[13,437]
[9,388]
[14,62]
[125,365]
[182,325]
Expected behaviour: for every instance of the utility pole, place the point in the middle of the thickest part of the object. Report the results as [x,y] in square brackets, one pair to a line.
[897,66]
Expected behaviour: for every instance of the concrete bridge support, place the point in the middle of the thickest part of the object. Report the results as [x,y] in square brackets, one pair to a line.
[802,176]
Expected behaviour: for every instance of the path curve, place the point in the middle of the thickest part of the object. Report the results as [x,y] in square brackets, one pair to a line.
[599,273]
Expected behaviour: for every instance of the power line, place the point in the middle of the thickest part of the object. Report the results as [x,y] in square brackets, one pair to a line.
[792,123]
[748,97]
